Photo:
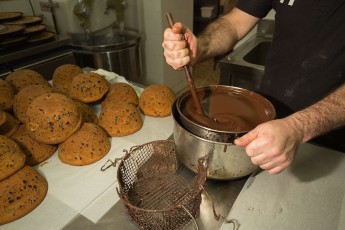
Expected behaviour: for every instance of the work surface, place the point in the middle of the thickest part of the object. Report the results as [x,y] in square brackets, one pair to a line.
[308,195]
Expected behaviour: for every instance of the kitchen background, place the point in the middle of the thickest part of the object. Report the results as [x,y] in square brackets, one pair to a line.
[144,18]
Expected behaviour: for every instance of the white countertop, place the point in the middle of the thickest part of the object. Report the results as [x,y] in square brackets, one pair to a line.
[309,195]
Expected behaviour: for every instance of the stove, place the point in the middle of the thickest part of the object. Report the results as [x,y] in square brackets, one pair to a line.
[43,58]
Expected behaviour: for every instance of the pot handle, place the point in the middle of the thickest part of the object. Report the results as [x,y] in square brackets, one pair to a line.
[218,216]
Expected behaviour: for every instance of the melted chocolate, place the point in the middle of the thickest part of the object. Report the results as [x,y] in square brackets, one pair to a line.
[229,109]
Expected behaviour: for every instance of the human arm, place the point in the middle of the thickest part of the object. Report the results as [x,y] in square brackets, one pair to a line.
[218,38]
[273,145]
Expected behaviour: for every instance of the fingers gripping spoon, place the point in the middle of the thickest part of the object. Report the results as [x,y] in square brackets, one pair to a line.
[188,74]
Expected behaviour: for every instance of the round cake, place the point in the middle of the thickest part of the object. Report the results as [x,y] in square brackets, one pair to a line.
[121,92]
[156,100]
[63,76]
[23,99]
[120,119]
[88,87]
[86,146]
[3,118]
[21,193]
[12,159]
[6,95]
[24,77]
[9,127]
[53,118]
[88,115]
[36,152]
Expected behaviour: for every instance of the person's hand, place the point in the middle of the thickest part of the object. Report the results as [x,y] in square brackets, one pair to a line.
[180,46]
[272,145]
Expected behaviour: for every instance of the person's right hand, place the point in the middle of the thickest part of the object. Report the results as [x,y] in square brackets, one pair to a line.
[180,46]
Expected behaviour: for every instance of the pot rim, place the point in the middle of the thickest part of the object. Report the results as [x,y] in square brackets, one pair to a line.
[177,120]
[234,89]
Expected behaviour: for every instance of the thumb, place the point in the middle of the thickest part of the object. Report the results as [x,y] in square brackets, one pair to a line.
[246,139]
[177,28]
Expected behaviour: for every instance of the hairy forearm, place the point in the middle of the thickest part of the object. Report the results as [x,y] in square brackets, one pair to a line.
[321,117]
[217,39]
[220,37]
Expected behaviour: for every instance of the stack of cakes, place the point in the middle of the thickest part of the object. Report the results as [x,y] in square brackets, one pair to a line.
[38,119]
[22,187]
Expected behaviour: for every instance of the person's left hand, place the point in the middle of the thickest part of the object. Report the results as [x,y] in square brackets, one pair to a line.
[272,145]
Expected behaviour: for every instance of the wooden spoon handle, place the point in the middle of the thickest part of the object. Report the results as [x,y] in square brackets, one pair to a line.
[188,74]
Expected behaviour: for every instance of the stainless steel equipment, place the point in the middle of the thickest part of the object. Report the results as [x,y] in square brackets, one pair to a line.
[110,51]
[43,58]
[244,67]
[226,161]
[266,111]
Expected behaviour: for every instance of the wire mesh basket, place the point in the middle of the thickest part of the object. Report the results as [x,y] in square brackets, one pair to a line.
[154,193]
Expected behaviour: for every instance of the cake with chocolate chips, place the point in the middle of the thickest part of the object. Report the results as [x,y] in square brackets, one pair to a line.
[9,126]
[25,77]
[63,76]
[21,193]
[88,87]
[120,92]
[12,159]
[6,95]
[156,100]
[88,114]
[86,146]
[36,152]
[23,99]
[52,118]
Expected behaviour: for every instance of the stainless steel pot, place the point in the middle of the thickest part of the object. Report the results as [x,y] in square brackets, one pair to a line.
[264,111]
[112,52]
[225,161]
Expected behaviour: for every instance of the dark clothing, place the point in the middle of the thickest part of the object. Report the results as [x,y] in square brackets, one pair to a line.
[307,56]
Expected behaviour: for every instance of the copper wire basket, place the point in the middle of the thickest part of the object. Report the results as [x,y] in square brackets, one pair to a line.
[152,190]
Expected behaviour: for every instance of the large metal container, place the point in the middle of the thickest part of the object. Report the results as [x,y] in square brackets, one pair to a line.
[112,52]
[245,101]
[225,161]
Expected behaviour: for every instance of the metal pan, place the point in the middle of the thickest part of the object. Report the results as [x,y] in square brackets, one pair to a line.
[263,108]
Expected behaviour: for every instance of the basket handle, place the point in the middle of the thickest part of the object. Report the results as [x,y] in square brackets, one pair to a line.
[190,214]
[110,163]
[218,216]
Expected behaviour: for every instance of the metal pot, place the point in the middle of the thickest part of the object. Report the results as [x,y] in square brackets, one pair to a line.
[113,52]
[264,110]
[225,161]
